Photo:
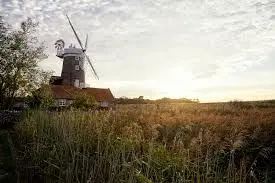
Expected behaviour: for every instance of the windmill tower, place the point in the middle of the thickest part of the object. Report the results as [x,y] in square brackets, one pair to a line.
[73,71]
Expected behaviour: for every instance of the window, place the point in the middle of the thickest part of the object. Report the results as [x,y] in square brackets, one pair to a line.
[104,104]
[76,83]
[77,67]
[62,102]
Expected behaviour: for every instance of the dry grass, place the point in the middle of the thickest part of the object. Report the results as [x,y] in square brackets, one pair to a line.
[148,143]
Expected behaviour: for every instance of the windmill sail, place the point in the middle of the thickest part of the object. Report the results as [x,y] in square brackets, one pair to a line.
[83,50]
[75,33]
[86,42]
[92,66]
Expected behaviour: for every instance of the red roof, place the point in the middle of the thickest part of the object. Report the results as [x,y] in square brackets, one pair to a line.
[63,91]
[100,94]
[67,92]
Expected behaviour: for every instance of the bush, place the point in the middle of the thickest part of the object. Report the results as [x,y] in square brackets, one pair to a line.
[42,98]
[83,101]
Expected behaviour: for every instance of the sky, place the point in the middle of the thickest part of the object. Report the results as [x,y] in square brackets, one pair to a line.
[213,50]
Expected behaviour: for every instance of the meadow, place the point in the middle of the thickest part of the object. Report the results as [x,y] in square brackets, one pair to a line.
[146,143]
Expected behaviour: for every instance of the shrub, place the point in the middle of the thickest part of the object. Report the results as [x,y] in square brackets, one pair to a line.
[42,98]
[83,101]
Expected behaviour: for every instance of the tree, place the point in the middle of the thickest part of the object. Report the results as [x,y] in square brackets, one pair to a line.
[82,100]
[43,97]
[20,53]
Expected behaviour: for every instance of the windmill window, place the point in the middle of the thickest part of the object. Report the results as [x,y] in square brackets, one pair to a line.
[77,67]
[76,83]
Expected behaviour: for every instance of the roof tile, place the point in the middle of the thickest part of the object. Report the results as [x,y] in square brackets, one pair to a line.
[67,92]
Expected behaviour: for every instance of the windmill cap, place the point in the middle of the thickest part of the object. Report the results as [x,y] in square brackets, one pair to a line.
[73,50]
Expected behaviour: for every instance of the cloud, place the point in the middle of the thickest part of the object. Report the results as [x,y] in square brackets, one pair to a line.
[139,40]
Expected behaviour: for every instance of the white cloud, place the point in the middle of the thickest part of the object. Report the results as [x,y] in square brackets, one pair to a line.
[136,41]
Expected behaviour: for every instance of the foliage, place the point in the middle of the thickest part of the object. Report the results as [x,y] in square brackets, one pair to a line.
[164,100]
[84,101]
[180,100]
[20,53]
[148,143]
[140,178]
[42,98]
[7,160]
[240,104]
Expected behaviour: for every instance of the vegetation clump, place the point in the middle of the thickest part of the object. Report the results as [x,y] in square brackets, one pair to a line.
[148,143]
[83,101]
[20,53]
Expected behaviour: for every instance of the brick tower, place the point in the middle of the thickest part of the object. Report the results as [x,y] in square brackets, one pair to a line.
[73,67]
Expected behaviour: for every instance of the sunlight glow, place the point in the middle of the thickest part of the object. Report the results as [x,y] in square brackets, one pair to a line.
[211,50]
[175,83]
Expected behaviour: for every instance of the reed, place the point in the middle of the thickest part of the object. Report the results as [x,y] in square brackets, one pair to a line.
[147,143]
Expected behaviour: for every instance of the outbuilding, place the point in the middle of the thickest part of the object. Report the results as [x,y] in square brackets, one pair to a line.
[63,95]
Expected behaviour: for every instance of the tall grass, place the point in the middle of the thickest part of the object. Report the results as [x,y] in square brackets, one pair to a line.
[148,143]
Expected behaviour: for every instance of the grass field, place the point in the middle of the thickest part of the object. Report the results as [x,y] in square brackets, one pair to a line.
[227,142]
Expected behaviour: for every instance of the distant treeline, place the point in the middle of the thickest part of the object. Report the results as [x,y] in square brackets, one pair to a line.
[165,100]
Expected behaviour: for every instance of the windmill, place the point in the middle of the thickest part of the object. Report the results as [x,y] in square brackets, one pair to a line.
[73,71]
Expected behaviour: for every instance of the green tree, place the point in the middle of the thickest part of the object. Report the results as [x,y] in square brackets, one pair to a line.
[82,100]
[43,97]
[20,53]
